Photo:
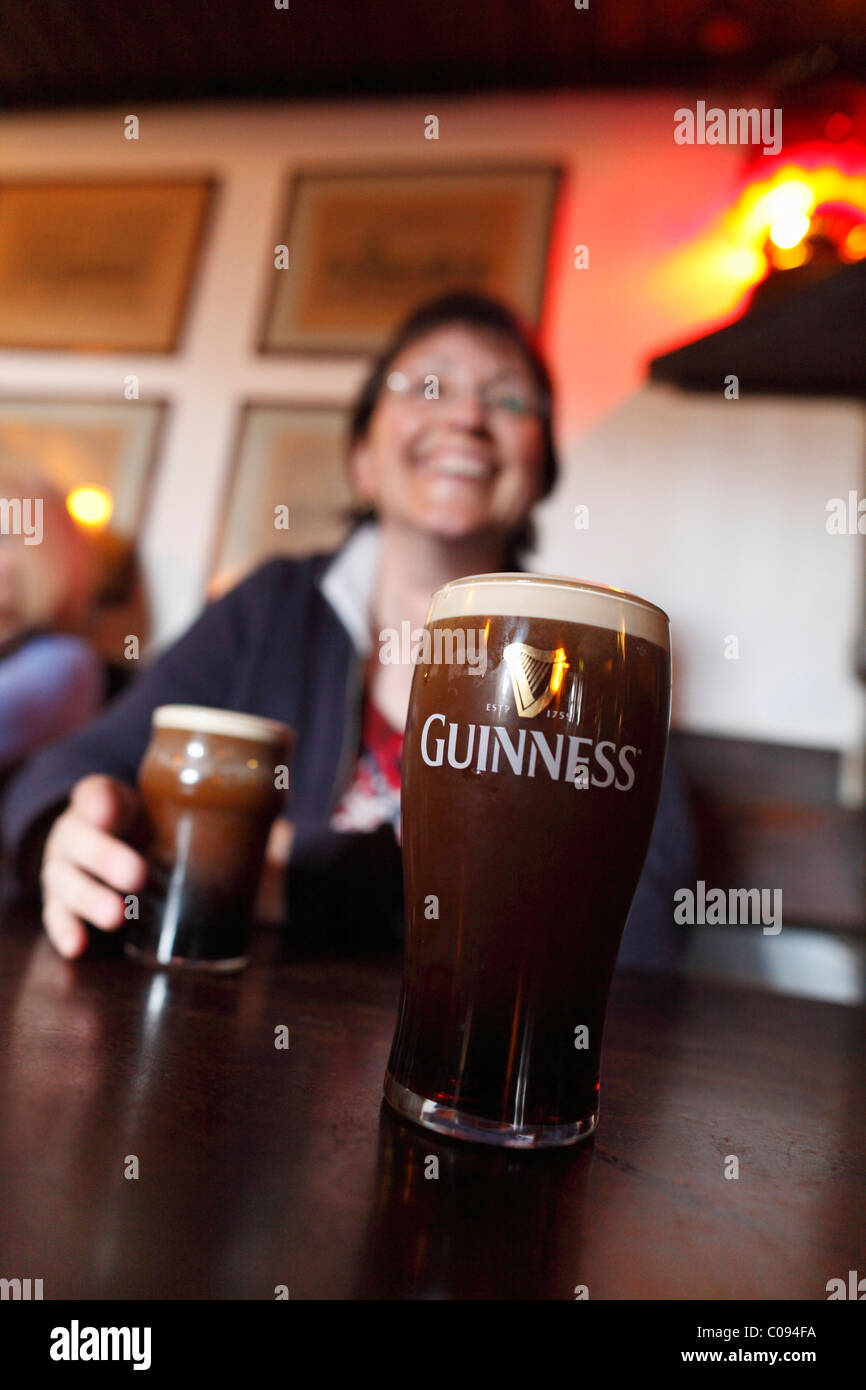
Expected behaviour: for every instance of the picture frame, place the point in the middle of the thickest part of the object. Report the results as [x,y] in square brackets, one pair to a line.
[99,265]
[72,443]
[365,248]
[287,455]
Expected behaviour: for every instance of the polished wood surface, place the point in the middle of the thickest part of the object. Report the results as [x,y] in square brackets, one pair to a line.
[261,1167]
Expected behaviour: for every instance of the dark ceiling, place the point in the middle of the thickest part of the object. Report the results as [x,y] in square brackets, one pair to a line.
[89,52]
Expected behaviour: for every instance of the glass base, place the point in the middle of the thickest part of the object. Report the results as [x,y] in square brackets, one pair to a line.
[460,1125]
[213,967]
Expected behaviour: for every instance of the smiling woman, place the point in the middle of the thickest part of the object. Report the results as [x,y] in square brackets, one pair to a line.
[450,448]
[455,438]
[472,384]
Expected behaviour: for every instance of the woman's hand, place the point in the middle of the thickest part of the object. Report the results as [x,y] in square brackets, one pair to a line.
[87,868]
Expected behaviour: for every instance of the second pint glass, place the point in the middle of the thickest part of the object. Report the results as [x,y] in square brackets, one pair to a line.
[532,766]
[210,788]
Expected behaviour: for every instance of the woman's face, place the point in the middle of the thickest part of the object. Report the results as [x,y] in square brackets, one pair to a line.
[455,445]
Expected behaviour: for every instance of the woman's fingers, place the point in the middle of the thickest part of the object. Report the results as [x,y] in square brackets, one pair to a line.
[87,871]
[106,803]
[101,854]
[66,933]
[83,896]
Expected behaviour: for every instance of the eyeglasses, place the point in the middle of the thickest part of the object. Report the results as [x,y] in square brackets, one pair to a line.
[499,397]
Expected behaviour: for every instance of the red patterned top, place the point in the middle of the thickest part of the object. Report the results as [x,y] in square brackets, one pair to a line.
[373,795]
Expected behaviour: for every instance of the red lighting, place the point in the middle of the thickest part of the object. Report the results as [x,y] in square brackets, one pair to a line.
[838,127]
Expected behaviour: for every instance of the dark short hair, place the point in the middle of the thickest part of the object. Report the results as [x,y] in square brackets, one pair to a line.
[485,314]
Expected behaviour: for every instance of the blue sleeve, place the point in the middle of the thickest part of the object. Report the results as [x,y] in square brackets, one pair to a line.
[198,669]
[50,686]
[652,939]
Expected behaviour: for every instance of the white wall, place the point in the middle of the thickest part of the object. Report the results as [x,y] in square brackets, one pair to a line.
[633,197]
[716,509]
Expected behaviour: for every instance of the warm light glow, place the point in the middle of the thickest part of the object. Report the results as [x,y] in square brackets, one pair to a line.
[743,264]
[788,229]
[560,666]
[783,202]
[91,505]
[790,258]
[855,243]
[718,268]
[780,207]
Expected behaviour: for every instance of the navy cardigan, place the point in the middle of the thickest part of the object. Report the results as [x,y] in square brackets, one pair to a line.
[275,646]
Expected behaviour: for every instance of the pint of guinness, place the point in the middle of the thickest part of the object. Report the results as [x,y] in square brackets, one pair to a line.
[209,786]
[530,785]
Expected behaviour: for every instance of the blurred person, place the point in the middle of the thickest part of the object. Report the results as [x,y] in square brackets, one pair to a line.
[448,485]
[51,680]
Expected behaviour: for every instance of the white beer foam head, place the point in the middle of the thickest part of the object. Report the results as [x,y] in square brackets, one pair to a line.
[202,719]
[521,595]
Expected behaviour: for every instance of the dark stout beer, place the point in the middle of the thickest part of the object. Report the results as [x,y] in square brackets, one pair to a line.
[209,784]
[529,793]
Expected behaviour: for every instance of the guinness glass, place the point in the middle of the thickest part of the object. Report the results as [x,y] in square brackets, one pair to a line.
[532,766]
[210,785]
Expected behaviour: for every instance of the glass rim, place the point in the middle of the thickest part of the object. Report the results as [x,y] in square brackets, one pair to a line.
[552,581]
[229,723]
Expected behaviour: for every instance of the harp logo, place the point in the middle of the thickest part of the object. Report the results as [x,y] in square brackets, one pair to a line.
[535,676]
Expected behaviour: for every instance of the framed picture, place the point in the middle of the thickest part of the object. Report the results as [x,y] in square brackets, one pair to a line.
[109,445]
[101,266]
[363,249]
[288,493]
